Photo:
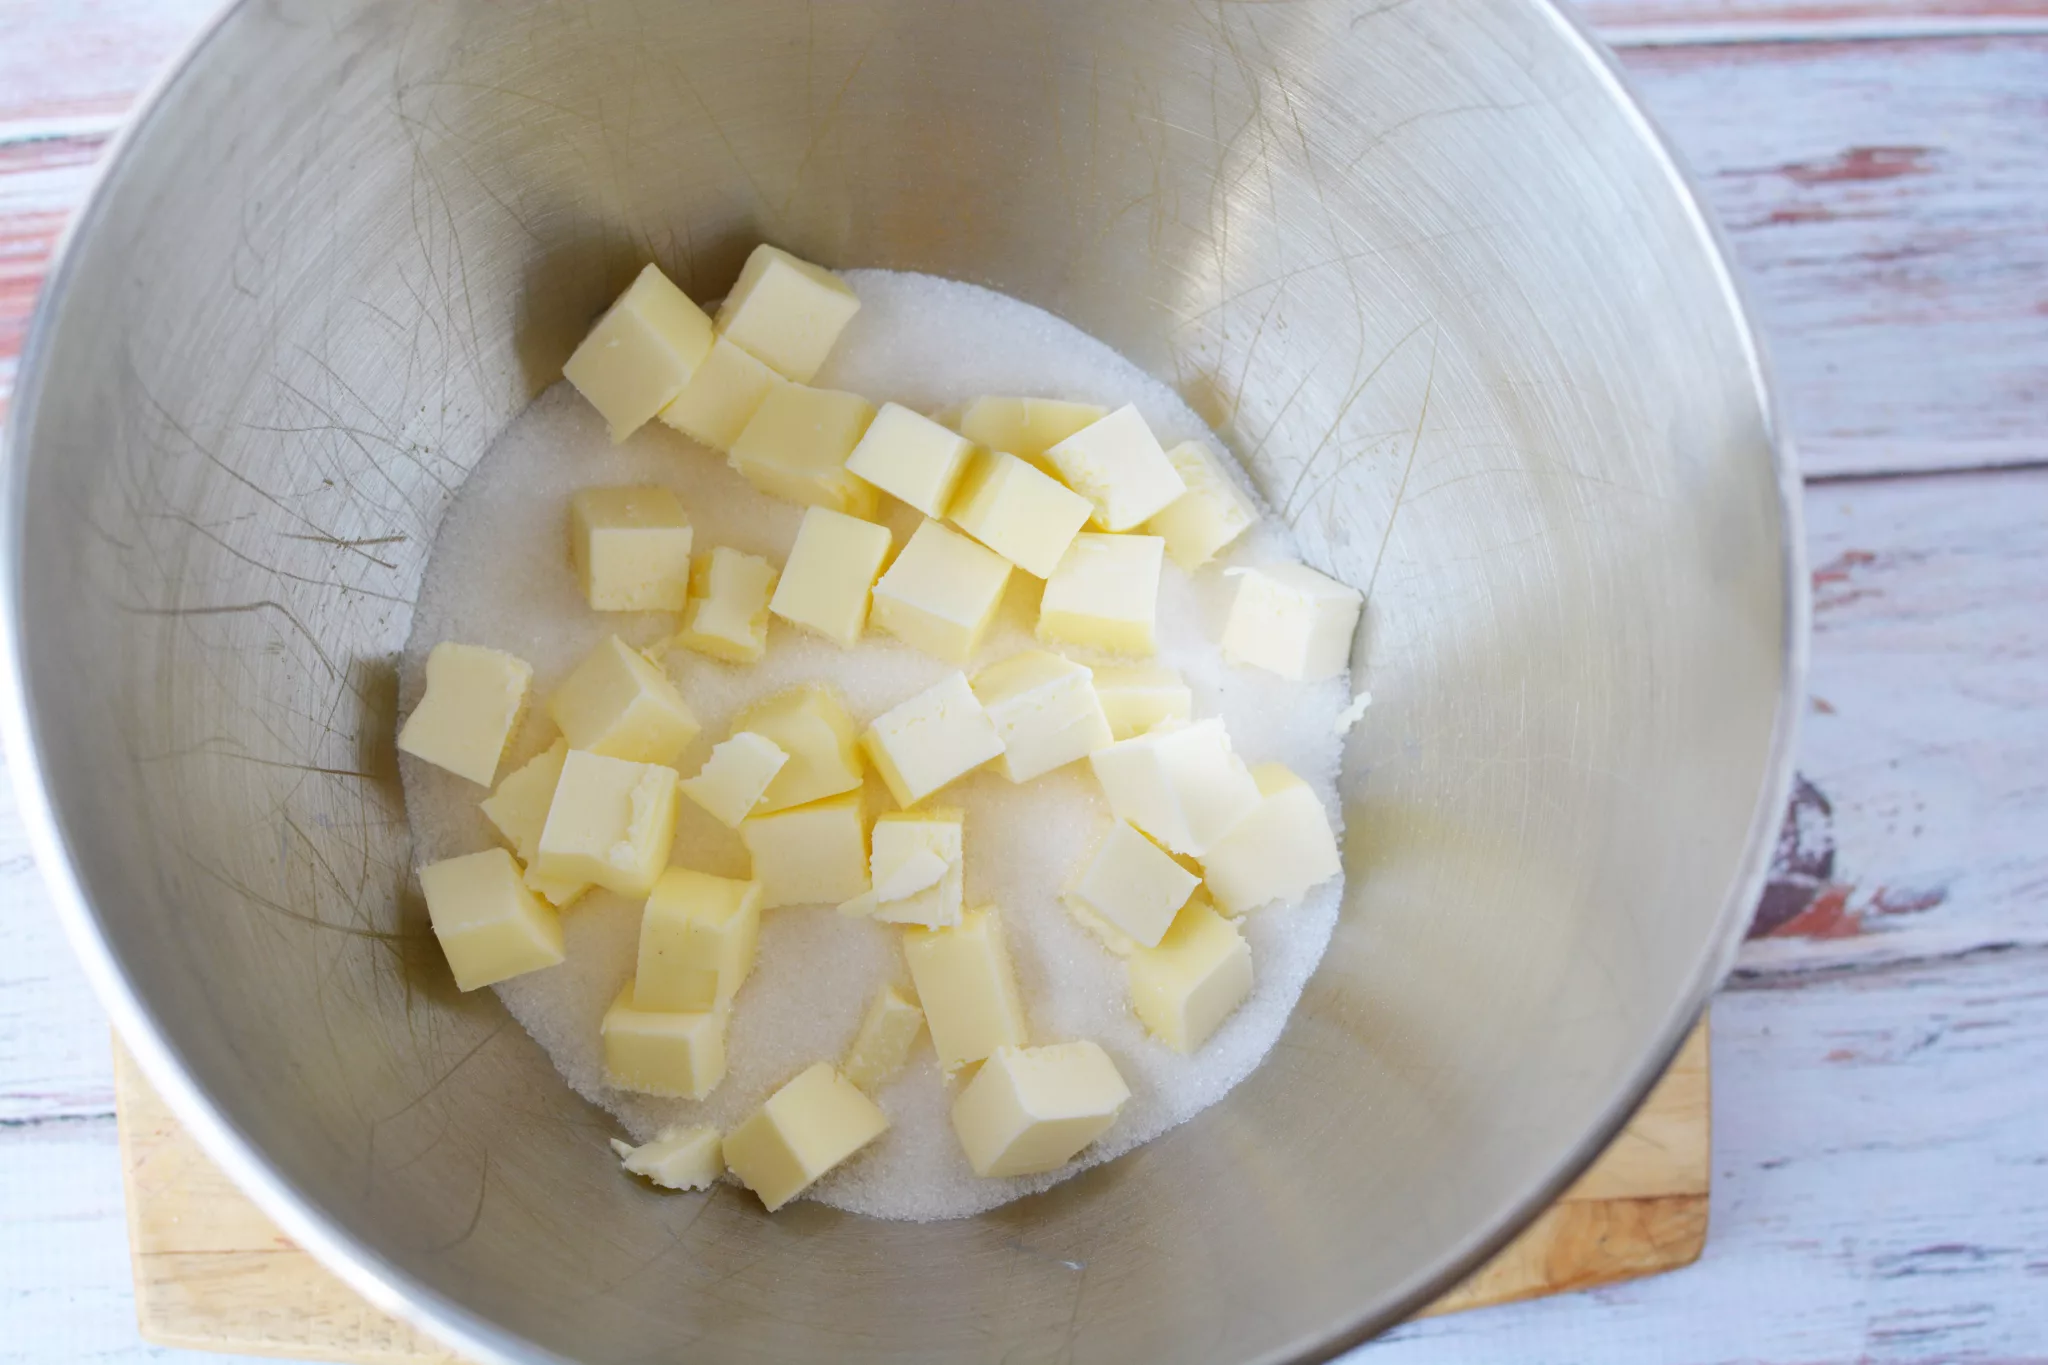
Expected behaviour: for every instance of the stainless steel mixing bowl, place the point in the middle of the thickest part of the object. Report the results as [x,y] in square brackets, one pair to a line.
[1422,264]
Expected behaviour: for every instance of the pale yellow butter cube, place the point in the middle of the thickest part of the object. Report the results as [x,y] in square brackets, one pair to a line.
[939,735]
[519,807]
[677,1159]
[721,397]
[630,548]
[810,724]
[912,458]
[916,865]
[1141,699]
[728,612]
[640,353]
[786,312]
[1183,785]
[1188,985]
[558,892]
[1105,595]
[1032,1109]
[795,447]
[617,704]
[1289,619]
[735,777]
[809,855]
[805,1129]
[473,702]
[941,593]
[1212,513]
[887,1033]
[968,989]
[658,1052]
[831,570]
[1278,852]
[1019,511]
[610,824]
[697,939]
[1045,712]
[490,926]
[1025,427]
[1133,884]
[1117,465]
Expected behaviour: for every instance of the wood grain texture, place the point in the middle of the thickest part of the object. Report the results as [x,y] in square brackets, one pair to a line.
[1927,725]
[1880,1190]
[213,1273]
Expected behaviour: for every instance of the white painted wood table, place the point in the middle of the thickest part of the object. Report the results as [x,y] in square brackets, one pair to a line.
[1881,1055]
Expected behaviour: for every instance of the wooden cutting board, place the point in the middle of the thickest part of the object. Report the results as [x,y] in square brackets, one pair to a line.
[214,1274]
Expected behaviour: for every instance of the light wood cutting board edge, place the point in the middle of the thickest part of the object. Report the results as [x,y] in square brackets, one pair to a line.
[212,1273]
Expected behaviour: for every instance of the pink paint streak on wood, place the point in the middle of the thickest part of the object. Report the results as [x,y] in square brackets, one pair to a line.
[88,58]
[1622,21]
[1885,207]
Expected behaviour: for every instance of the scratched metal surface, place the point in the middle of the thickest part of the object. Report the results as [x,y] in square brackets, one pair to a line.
[408,246]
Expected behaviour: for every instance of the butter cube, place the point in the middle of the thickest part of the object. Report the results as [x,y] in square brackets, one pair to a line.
[677,1159]
[490,926]
[1105,594]
[1045,712]
[519,807]
[887,1032]
[810,724]
[721,397]
[1289,619]
[1212,513]
[1182,785]
[630,548]
[809,855]
[831,570]
[1019,511]
[795,447]
[640,353]
[655,1052]
[939,735]
[728,613]
[786,312]
[733,780]
[966,985]
[1025,427]
[610,824]
[805,1129]
[1189,984]
[697,938]
[916,864]
[1284,847]
[617,704]
[911,457]
[1134,885]
[473,702]
[1141,699]
[1117,465]
[1032,1109]
[941,593]
[558,892]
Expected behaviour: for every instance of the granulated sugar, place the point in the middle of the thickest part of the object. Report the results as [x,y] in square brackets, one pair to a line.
[499,576]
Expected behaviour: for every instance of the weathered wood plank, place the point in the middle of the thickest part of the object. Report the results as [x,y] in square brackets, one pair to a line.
[85,59]
[1884,203]
[53,1064]
[1639,23]
[1927,731]
[1880,1191]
